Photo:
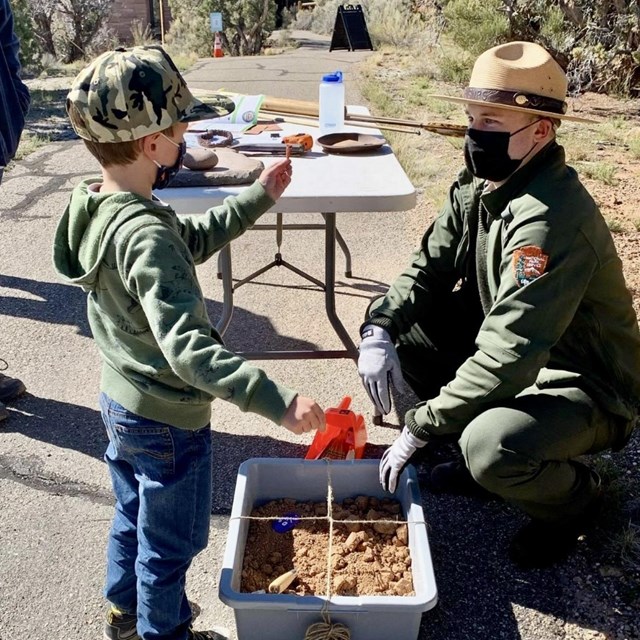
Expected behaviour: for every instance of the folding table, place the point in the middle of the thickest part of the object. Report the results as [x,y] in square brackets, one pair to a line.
[322,183]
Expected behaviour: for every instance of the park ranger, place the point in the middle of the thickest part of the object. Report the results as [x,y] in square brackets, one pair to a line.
[512,322]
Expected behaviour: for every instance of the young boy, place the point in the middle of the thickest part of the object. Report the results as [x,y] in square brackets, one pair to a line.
[163,362]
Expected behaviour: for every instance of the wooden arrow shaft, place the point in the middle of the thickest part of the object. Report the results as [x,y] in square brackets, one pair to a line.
[287,106]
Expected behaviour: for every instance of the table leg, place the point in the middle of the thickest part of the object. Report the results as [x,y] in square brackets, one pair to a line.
[224,265]
[347,253]
[330,285]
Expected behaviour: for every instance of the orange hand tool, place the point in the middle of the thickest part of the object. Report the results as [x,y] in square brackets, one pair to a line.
[299,138]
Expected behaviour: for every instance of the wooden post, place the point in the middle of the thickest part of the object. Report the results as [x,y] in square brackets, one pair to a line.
[162,22]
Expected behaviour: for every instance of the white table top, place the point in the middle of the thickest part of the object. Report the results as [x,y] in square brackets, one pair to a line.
[322,183]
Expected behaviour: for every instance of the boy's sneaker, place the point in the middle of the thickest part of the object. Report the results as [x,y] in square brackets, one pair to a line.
[10,388]
[219,633]
[120,626]
[3,412]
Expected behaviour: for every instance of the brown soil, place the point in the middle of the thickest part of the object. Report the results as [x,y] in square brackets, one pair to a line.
[369,555]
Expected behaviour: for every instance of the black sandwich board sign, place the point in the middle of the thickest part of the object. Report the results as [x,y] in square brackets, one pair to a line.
[350,30]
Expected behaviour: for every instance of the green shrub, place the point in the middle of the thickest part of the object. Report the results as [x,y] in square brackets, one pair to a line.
[247,24]
[141,33]
[394,23]
[455,66]
[190,29]
[600,171]
[30,49]
[476,25]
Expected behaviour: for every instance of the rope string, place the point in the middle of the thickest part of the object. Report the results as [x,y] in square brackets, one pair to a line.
[325,630]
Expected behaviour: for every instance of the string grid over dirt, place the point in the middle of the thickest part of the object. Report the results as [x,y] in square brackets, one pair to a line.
[366,559]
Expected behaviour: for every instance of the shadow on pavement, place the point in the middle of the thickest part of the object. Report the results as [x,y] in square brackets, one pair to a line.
[56,304]
[65,425]
[66,304]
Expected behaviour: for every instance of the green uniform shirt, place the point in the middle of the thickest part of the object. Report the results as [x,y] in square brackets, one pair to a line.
[162,359]
[557,310]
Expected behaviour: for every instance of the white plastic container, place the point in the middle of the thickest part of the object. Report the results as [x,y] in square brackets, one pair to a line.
[287,617]
[331,103]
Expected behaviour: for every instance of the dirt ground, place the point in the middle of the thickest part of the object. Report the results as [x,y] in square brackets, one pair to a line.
[369,554]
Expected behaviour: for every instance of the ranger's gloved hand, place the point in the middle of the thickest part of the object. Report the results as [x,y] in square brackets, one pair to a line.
[396,458]
[378,361]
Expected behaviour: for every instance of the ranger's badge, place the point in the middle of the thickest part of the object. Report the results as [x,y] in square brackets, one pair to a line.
[529,263]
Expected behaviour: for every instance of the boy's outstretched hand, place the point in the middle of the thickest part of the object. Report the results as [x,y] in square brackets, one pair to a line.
[304,415]
[276,178]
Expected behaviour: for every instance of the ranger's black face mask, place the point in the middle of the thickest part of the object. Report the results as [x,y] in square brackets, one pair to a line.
[486,153]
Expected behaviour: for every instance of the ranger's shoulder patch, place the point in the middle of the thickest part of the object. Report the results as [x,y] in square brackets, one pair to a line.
[529,263]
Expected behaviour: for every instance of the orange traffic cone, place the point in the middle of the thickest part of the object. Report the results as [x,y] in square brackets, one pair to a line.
[217,47]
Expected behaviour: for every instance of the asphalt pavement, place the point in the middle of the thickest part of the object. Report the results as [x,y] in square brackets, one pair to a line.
[55,495]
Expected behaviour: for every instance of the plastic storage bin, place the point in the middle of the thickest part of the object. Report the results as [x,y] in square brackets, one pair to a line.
[287,617]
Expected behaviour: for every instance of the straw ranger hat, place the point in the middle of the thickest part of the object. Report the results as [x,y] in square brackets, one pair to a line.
[518,76]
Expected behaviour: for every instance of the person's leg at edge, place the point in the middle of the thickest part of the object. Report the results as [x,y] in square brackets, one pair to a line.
[122,544]
[173,527]
[173,476]
[525,451]
[10,388]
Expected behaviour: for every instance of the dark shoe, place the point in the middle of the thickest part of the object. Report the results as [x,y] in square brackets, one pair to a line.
[454,478]
[10,388]
[4,414]
[541,544]
[212,634]
[120,626]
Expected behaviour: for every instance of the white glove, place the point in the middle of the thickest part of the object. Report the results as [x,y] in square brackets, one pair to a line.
[396,458]
[378,361]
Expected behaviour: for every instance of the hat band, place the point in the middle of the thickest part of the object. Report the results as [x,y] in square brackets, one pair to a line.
[517,99]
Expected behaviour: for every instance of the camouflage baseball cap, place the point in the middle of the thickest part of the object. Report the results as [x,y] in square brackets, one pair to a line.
[127,94]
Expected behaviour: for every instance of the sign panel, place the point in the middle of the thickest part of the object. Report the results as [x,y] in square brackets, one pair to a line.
[350,29]
[216,21]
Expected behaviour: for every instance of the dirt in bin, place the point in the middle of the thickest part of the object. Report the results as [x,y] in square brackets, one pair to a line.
[366,559]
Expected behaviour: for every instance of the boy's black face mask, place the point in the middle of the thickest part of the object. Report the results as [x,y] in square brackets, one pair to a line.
[165,174]
[486,153]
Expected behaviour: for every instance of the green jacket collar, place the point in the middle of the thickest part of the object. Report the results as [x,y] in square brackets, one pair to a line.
[550,158]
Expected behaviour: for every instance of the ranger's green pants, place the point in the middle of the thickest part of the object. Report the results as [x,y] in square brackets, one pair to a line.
[523,449]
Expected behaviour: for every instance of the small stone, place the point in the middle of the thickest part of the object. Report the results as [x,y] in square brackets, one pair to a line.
[386,528]
[351,527]
[402,532]
[403,587]
[372,514]
[342,584]
[610,572]
[200,159]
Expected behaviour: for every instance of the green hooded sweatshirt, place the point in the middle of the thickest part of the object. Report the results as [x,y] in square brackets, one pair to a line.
[136,259]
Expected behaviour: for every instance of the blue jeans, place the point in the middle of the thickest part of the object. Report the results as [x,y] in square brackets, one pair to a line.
[161,478]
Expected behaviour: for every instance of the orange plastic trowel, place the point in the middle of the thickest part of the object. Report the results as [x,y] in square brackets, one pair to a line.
[343,439]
